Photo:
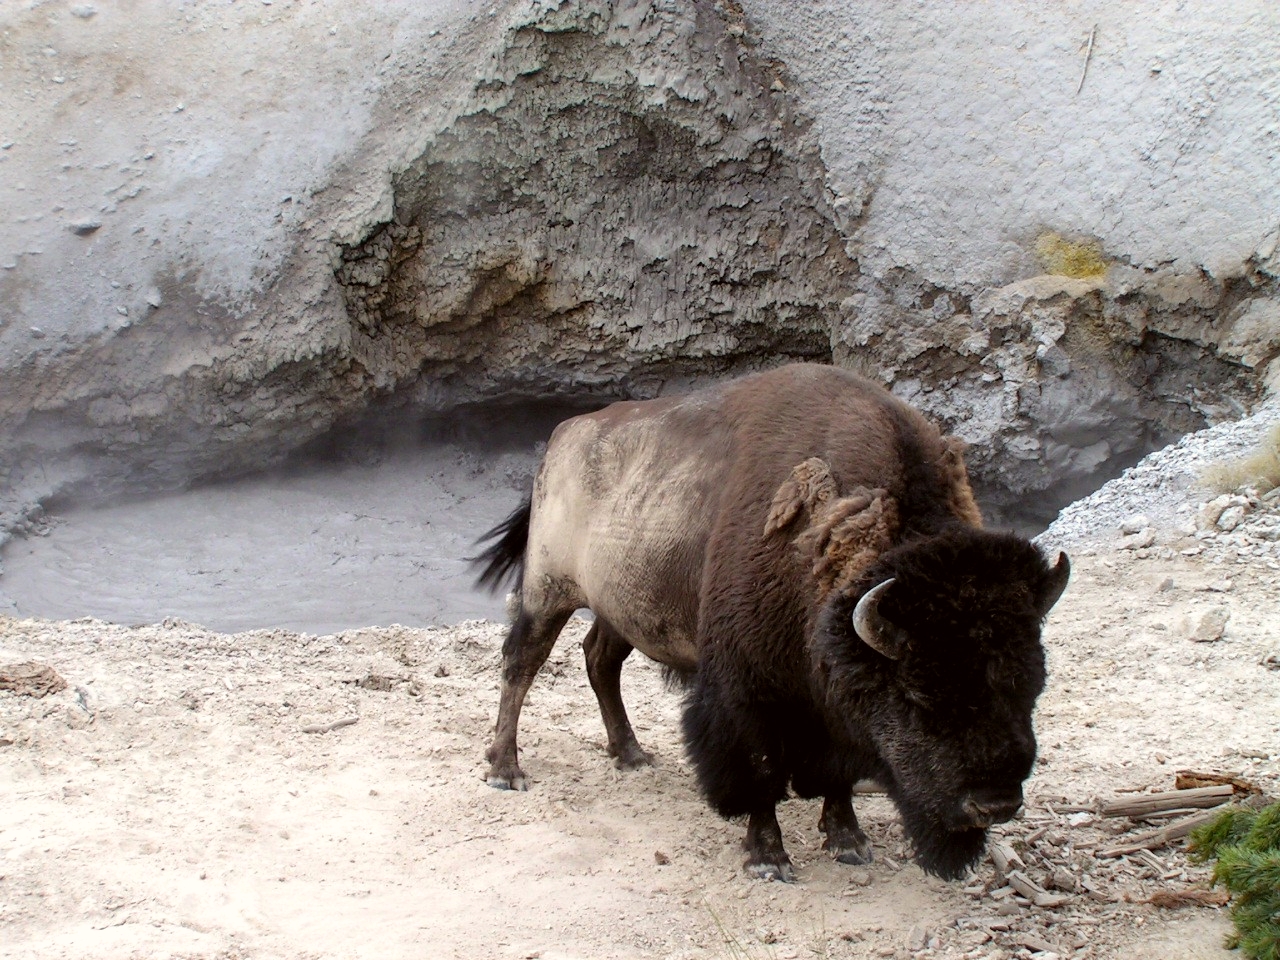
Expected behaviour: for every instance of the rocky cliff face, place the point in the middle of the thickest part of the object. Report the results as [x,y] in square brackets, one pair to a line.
[237,230]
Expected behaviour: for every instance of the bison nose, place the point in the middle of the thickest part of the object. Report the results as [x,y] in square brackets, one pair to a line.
[983,809]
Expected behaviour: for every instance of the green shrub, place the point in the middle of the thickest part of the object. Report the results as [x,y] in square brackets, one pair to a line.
[1246,847]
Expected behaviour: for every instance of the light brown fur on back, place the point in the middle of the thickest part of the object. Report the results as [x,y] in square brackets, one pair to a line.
[961,503]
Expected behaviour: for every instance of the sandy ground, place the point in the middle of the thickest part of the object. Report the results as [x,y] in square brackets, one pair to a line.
[170,803]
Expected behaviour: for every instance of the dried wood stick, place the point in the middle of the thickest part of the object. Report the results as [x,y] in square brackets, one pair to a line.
[1034,892]
[1166,814]
[1192,778]
[326,727]
[1087,57]
[1170,800]
[1005,859]
[1154,839]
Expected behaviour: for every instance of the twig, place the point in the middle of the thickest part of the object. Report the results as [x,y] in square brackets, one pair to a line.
[1154,839]
[1150,803]
[1088,55]
[326,727]
[1191,778]
[1034,892]
[1151,860]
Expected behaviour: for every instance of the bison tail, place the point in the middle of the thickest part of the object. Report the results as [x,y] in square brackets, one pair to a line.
[505,558]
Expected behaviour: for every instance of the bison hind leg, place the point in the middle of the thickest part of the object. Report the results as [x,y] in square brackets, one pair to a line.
[605,650]
[525,650]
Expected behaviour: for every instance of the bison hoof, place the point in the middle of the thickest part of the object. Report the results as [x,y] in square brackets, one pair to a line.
[506,783]
[856,858]
[505,775]
[631,759]
[855,852]
[768,870]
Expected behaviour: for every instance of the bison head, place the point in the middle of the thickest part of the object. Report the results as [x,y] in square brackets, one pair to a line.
[934,657]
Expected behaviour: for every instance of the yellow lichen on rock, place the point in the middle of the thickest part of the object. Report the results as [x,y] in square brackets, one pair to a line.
[1070,258]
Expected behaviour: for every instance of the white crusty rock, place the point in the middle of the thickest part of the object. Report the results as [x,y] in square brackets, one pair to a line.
[442,203]
[1139,540]
[1134,524]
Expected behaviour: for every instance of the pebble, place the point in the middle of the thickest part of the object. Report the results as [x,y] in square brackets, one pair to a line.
[1063,879]
[1139,540]
[1212,625]
[1231,518]
[1135,524]
[918,938]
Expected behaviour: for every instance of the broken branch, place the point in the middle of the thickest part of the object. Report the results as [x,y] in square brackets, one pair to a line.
[1188,779]
[1034,892]
[326,727]
[1150,803]
[1154,839]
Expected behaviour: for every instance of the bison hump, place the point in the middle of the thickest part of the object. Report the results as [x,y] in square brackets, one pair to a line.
[840,536]
[809,487]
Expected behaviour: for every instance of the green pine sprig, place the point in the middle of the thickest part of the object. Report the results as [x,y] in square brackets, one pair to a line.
[1246,847]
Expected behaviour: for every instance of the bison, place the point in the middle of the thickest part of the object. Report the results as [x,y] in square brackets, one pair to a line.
[803,549]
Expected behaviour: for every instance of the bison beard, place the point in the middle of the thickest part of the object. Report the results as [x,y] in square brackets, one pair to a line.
[944,853]
[806,550]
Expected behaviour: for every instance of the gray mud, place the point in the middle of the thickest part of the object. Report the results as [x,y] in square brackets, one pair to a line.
[317,549]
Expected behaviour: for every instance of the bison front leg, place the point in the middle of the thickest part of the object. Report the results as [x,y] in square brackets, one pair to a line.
[766,856]
[732,747]
[845,839]
[526,649]
[606,650]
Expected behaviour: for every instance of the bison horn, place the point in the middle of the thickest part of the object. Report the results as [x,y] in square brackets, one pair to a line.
[874,630]
[1056,583]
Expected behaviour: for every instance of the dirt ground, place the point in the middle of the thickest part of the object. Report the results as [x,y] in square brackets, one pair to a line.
[170,802]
